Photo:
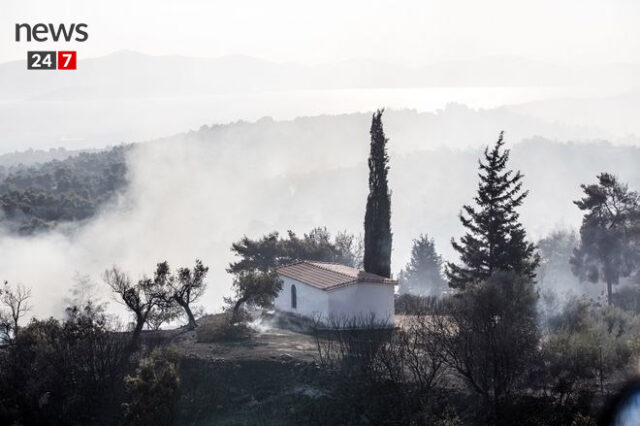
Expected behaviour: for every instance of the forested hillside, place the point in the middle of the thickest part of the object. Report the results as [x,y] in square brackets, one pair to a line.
[302,160]
[37,197]
[32,157]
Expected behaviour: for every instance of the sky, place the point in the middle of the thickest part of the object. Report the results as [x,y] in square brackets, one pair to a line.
[405,32]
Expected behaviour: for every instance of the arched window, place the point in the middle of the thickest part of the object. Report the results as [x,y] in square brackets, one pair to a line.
[294,297]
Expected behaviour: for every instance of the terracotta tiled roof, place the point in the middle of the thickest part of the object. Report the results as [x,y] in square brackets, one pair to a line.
[327,276]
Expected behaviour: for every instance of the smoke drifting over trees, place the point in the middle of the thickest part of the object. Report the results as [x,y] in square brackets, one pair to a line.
[285,176]
[422,275]
[153,198]
[498,338]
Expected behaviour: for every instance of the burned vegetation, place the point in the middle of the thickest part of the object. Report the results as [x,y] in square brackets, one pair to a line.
[485,339]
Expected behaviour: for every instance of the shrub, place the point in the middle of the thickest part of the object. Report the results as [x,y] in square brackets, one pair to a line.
[152,390]
[490,337]
[627,298]
[410,304]
[587,344]
[381,374]
[221,328]
[66,372]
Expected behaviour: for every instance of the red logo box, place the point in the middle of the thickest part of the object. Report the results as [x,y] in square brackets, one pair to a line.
[66,60]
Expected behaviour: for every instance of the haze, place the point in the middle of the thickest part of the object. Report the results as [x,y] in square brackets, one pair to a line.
[562,77]
[405,32]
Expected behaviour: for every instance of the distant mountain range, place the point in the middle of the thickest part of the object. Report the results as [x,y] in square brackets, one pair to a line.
[127,96]
[127,74]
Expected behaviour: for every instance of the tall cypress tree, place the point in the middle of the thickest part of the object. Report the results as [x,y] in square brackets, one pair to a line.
[377,218]
[495,240]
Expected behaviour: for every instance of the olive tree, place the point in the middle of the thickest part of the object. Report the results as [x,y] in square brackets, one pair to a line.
[186,288]
[143,296]
[255,288]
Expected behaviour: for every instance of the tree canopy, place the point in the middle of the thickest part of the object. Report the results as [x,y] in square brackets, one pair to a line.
[609,233]
[423,274]
[186,287]
[377,219]
[255,288]
[141,297]
[36,198]
[495,239]
[271,251]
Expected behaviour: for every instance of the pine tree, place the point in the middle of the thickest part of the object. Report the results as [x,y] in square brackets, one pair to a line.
[423,274]
[609,232]
[377,219]
[495,240]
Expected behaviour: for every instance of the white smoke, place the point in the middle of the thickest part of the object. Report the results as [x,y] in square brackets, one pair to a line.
[192,197]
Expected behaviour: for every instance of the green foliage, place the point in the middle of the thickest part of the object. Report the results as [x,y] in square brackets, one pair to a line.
[349,248]
[164,314]
[255,288]
[221,328]
[495,240]
[586,345]
[554,272]
[574,316]
[66,372]
[271,251]
[423,274]
[39,197]
[409,304]
[555,249]
[628,298]
[154,301]
[379,374]
[583,420]
[490,335]
[143,297]
[153,390]
[377,218]
[262,254]
[609,233]
[186,287]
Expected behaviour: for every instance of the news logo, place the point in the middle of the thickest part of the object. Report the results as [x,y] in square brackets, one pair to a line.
[66,60]
[42,32]
[41,60]
[51,59]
